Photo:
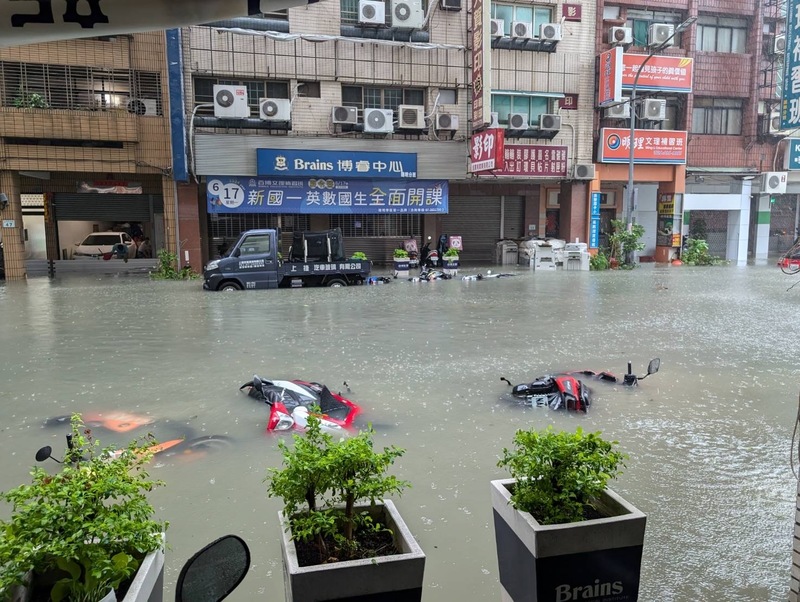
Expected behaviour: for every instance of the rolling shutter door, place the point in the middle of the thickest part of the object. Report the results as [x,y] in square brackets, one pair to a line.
[477,221]
[514,217]
[107,207]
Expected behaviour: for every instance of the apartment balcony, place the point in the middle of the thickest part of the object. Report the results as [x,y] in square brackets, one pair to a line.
[59,124]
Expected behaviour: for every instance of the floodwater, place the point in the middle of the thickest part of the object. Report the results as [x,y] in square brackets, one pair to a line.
[709,436]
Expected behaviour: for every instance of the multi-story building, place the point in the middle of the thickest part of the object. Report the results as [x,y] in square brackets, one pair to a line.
[726,119]
[327,85]
[84,144]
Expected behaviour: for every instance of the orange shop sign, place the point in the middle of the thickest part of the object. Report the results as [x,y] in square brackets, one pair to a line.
[669,73]
[650,146]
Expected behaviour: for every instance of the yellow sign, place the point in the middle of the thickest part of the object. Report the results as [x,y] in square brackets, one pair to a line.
[676,240]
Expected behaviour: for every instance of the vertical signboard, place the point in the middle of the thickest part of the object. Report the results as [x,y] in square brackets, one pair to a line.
[609,84]
[486,150]
[594,221]
[481,64]
[790,102]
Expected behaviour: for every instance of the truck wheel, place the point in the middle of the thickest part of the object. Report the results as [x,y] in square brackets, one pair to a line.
[336,283]
[230,286]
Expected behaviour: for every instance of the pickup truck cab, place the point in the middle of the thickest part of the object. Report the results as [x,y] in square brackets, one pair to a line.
[254,262]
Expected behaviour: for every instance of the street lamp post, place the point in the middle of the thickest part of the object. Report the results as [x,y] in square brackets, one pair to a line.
[632,146]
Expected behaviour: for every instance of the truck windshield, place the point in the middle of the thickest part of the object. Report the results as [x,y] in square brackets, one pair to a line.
[257,244]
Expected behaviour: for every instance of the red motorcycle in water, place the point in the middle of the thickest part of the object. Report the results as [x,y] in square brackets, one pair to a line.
[292,401]
[568,391]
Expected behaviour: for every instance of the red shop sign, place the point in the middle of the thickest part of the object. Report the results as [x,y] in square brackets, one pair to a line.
[486,150]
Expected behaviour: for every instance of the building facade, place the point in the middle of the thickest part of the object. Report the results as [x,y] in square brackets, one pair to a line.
[84,144]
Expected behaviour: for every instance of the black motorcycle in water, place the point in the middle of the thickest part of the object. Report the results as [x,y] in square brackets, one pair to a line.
[428,258]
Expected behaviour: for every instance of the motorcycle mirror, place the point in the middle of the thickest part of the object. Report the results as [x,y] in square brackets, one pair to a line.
[257,384]
[655,364]
[45,453]
[214,572]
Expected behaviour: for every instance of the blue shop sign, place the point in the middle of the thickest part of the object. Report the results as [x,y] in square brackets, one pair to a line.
[792,161]
[336,164]
[325,196]
[790,100]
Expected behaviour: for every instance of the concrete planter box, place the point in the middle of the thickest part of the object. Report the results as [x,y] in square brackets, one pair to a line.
[401,267]
[590,560]
[397,578]
[450,265]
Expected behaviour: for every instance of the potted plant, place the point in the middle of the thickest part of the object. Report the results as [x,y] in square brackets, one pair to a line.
[450,261]
[83,533]
[402,263]
[624,243]
[561,533]
[359,256]
[341,539]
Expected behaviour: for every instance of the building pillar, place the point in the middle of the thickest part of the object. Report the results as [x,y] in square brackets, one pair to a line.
[574,218]
[50,229]
[761,243]
[189,226]
[13,246]
[171,230]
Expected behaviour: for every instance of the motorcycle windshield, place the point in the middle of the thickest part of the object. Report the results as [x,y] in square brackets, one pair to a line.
[332,406]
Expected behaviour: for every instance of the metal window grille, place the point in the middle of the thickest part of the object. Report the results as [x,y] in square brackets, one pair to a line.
[377,225]
[381,98]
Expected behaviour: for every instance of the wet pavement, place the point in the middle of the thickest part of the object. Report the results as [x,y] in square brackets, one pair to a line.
[708,436]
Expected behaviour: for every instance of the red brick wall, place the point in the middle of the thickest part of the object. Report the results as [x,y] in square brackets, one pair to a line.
[729,151]
[722,75]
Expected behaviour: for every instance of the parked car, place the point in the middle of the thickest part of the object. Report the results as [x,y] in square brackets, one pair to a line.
[98,244]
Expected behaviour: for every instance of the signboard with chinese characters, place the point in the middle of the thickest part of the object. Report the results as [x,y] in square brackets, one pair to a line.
[110,187]
[533,160]
[325,196]
[481,63]
[594,222]
[650,146]
[669,73]
[669,220]
[336,164]
[33,21]
[569,102]
[790,101]
[486,149]
[609,88]
[571,12]
[791,160]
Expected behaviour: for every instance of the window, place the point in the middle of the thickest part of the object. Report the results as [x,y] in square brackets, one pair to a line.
[309,90]
[534,15]
[720,34]
[717,116]
[641,20]
[448,96]
[256,89]
[532,106]
[277,15]
[255,245]
[381,98]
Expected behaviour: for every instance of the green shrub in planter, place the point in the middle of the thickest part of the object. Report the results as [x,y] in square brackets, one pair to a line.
[90,525]
[559,474]
[451,252]
[359,255]
[400,254]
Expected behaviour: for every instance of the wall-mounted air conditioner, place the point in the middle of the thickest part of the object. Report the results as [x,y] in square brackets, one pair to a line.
[494,120]
[371,12]
[779,44]
[518,121]
[143,106]
[521,30]
[498,28]
[774,126]
[774,182]
[378,121]
[620,111]
[659,33]
[410,117]
[344,115]
[407,14]
[655,109]
[275,109]
[584,171]
[447,121]
[230,102]
[550,32]
[620,35]
[549,123]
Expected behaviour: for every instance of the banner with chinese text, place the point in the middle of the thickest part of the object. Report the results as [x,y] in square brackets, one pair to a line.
[486,149]
[481,63]
[668,73]
[650,146]
[532,160]
[609,88]
[325,196]
[790,102]
[335,164]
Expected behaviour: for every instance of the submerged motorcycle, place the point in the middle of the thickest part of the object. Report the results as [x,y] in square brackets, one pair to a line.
[292,401]
[568,391]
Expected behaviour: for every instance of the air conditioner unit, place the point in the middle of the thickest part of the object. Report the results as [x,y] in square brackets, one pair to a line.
[655,109]
[620,35]
[660,33]
[371,12]
[447,121]
[498,28]
[407,14]
[378,121]
[620,111]
[550,32]
[774,126]
[275,109]
[344,115]
[518,121]
[494,120]
[143,106]
[231,102]
[584,171]
[454,5]
[410,117]
[775,182]
[521,30]
[549,123]
[779,44]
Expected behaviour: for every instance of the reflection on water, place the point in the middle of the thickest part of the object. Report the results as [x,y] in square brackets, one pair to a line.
[708,436]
